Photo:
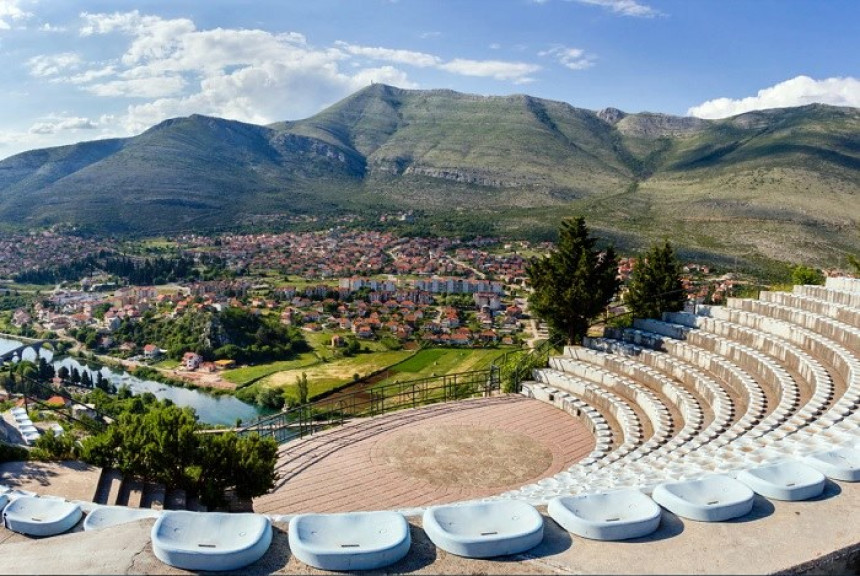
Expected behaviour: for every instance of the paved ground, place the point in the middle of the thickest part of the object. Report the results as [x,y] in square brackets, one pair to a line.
[71,480]
[437,454]
[776,536]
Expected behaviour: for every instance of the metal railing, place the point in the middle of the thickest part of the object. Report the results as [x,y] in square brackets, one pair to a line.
[337,409]
[517,366]
[29,387]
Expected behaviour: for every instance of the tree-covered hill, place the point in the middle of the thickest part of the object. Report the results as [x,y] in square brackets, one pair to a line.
[775,184]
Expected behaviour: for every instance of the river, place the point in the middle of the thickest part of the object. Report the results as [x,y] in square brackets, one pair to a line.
[223,409]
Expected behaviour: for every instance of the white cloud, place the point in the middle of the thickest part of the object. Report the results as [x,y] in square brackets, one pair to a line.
[624,7]
[148,87]
[54,125]
[53,64]
[798,91]
[165,68]
[518,72]
[11,11]
[573,58]
[48,27]
[412,58]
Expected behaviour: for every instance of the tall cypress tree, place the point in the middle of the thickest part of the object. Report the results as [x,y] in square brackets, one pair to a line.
[655,284]
[574,283]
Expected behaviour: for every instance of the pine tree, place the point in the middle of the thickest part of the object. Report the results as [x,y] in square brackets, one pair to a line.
[574,283]
[655,284]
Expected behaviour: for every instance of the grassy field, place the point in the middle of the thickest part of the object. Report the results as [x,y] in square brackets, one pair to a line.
[167,364]
[327,375]
[440,361]
[247,374]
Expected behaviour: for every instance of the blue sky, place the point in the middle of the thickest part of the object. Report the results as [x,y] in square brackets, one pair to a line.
[79,70]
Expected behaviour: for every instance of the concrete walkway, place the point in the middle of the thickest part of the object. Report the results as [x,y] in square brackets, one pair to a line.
[816,537]
[432,455]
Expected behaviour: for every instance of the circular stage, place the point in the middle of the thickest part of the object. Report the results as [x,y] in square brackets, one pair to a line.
[433,455]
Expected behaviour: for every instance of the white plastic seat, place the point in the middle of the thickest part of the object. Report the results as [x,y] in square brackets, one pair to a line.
[709,499]
[107,516]
[617,515]
[840,464]
[210,540]
[485,529]
[787,480]
[353,541]
[36,516]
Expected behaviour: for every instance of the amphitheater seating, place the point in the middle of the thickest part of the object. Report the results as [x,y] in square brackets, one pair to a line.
[347,542]
[699,411]
[484,529]
[754,383]
[709,499]
[786,480]
[619,515]
[840,464]
[211,541]
[103,517]
[37,516]
[839,312]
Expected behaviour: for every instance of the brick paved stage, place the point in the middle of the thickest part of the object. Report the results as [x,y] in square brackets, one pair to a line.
[432,455]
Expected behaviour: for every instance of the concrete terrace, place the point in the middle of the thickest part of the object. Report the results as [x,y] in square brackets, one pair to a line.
[792,537]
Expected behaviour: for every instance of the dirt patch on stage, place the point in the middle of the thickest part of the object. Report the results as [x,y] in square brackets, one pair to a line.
[466,456]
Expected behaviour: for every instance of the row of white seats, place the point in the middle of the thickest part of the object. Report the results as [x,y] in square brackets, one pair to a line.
[639,374]
[810,370]
[724,370]
[715,397]
[840,332]
[839,312]
[843,297]
[610,404]
[843,411]
[657,413]
[579,409]
[765,370]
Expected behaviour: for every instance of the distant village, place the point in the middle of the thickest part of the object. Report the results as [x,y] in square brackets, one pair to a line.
[342,282]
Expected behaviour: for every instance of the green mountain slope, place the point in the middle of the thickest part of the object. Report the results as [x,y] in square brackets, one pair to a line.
[774,185]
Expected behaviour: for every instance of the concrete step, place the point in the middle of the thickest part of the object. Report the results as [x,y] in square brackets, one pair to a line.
[176,500]
[134,490]
[108,488]
[153,496]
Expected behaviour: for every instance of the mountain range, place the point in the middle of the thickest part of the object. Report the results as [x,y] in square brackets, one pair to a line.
[773,185]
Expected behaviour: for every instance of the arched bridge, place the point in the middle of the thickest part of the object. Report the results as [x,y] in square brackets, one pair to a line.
[29,343]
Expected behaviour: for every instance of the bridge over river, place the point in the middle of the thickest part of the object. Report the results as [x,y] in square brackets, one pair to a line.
[27,343]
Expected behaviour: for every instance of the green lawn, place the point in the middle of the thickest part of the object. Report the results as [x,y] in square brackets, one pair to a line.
[327,375]
[441,361]
[167,364]
[247,374]
[421,360]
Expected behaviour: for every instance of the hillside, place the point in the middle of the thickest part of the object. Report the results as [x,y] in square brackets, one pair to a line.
[777,184]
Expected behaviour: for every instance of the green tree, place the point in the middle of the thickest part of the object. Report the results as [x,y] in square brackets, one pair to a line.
[855,263]
[51,446]
[574,283]
[162,444]
[302,387]
[270,398]
[224,461]
[63,373]
[805,275]
[655,284]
